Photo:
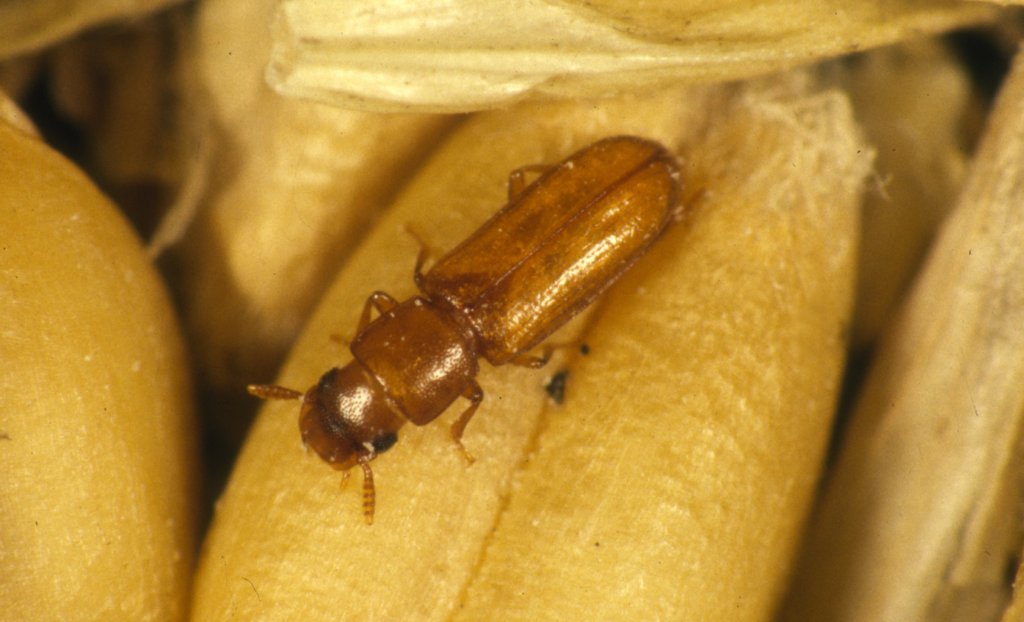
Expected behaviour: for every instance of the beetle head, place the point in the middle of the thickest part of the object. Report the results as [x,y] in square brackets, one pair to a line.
[347,418]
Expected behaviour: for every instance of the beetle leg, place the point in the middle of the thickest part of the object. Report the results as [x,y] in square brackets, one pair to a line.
[377,300]
[517,178]
[536,362]
[531,361]
[421,258]
[475,395]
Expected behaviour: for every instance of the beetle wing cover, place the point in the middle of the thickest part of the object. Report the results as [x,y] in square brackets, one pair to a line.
[546,255]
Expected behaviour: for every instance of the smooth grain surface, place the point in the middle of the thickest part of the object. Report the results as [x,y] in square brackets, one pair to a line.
[97,444]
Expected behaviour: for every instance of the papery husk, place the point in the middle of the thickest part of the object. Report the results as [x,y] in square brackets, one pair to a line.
[1015,612]
[118,88]
[922,516]
[17,75]
[110,99]
[29,26]
[465,55]
[98,446]
[288,187]
[916,105]
[674,480]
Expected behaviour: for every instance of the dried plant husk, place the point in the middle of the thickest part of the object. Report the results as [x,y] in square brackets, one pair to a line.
[99,493]
[922,515]
[674,480]
[1015,612]
[917,106]
[31,25]
[464,55]
[118,88]
[288,189]
[17,75]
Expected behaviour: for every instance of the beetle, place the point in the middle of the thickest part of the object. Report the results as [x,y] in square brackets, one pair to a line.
[554,247]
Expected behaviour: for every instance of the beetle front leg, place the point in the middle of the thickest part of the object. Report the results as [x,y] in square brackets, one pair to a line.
[475,395]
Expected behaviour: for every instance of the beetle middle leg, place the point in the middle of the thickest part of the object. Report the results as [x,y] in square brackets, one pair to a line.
[421,258]
[517,178]
[475,395]
[377,300]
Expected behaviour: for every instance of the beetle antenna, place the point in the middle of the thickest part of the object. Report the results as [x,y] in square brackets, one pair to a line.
[273,392]
[369,494]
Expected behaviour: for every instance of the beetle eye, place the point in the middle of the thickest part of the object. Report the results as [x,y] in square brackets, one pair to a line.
[384,442]
[327,380]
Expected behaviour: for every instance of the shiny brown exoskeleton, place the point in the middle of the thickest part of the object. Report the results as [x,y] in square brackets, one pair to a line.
[539,261]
